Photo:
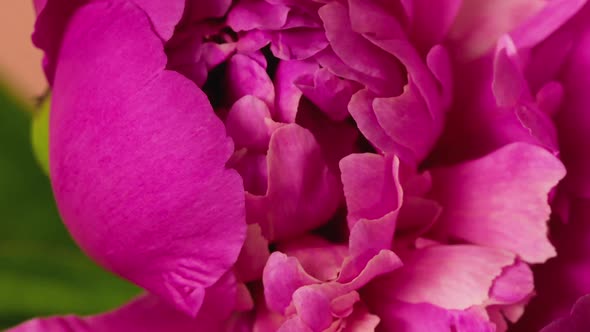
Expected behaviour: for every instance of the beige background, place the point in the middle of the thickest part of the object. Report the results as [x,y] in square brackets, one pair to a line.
[20,61]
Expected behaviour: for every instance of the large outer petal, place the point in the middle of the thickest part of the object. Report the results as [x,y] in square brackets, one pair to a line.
[147,313]
[137,159]
[500,200]
[54,18]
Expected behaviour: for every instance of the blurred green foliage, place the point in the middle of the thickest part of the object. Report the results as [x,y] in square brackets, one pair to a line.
[42,272]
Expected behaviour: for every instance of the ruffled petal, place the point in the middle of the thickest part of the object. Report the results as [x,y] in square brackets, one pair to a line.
[467,273]
[303,193]
[138,173]
[500,200]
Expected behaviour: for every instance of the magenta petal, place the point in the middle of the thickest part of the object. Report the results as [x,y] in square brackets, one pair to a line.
[578,321]
[147,313]
[303,193]
[538,27]
[288,94]
[467,273]
[328,92]
[500,200]
[249,124]
[253,255]
[282,277]
[423,317]
[370,188]
[252,14]
[361,109]
[356,51]
[298,43]
[245,76]
[513,285]
[54,17]
[138,173]
[407,120]
[163,15]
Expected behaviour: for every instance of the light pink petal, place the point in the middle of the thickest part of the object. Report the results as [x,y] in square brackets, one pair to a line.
[138,173]
[298,43]
[318,257]
[370,186]
[361,109]
[423,317]
[513,285]
[500,200]
[245,76]
[303,193]
[287,93]
[539,26]
[431,21]
[480,23]
[467,273]
[408,122]
[313,308]
[328,92]
[253,170]
[361,320]
[356,51]
[249,124]
[375,18]
[253,256]
[147,313]
[282,277]
[439,63]
[252,14]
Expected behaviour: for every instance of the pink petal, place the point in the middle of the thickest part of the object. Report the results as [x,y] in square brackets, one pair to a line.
[302,194]
[248,123]
[298,43]
[282,277]
[147,313]
[137,172]
[424,317]
[370,186]
[246,77]
[480,23]
[545,22]
[467,273]
[54,17]
[328,92]
[288,94]
[253,256]
[513,285]
[578,321]
[357,52]
[252,14]
[500,200]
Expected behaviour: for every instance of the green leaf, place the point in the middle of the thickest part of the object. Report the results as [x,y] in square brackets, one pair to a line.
[42,271]
[40,134]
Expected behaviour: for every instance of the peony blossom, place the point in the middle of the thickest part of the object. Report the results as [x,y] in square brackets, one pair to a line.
[324,165]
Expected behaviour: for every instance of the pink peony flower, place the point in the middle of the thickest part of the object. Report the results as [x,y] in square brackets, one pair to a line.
[360,165]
